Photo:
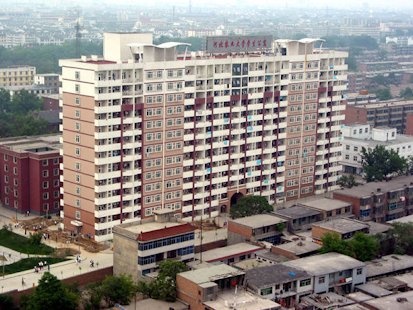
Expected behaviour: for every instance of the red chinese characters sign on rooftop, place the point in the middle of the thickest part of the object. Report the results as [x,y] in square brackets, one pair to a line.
[228,44]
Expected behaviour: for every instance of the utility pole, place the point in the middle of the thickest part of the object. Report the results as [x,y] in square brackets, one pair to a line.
[78,34]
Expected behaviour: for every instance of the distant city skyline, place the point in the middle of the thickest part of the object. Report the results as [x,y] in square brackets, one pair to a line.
[349,4]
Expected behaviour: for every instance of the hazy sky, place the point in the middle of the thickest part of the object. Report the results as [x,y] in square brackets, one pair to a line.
[356,4]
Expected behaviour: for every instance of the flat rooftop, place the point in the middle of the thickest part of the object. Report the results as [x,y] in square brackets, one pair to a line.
[211,273]
[325,263]
[365,190]
[342,225]
[299,247]
[242,300]
[404,219]
[268,256]
[326,301]
[32,144]
[251,263]
[376,228]
[296,212]
[388,264]
[359,296]
[402,301]
[400,139]
[373,290]
[274,274]
[406,278]
[146,227]
[259,220]
[228,252]
[325,204]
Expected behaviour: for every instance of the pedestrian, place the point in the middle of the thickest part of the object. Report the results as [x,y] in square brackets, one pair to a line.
[92,263]
[41,265]
[25,231]
[23,283]
[35,269]
[48,268]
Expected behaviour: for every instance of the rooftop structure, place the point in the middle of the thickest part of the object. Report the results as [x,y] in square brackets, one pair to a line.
[359,297]
[325,301]
[373,290]
[296,249]
[331,263]
[211,274]
[402,301]
[259,220]
[230,254]
[388,264]
[345,228]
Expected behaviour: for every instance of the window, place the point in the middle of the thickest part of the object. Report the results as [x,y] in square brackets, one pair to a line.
[77,138]
[6,157]
[77,178]
[77,88]
[355,158]
[14,160]
[266,291]
[45,173]
[56,183]
[77,101]
[55,161]
[77,75]
[356,148]
[45,196]
[77,190]
[305,282]
[77,166]
[15,170]
[56,194]
[77,151]
[359,271]
[77,215]
[77,113]
[347,147]
[321,280]
[45,184]
[45,162]
[77,126]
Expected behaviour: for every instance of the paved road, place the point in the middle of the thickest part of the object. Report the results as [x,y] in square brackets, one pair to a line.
[63,270]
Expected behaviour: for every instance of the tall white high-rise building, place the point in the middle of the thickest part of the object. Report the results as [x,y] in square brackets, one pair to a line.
[146,127]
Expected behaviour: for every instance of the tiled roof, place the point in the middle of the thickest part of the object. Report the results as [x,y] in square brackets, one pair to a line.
[165,232]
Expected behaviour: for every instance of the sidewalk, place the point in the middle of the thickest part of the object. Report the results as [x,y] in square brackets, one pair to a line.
[61,270]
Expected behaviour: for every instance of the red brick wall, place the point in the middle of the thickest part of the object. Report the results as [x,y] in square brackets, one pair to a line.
[50,104]
[355,202]
[239,229]
[409,124]
[355,115]
[80,280]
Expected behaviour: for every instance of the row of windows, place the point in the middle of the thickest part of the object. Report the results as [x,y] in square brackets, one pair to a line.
[173,160]
[165,242]
[157,162]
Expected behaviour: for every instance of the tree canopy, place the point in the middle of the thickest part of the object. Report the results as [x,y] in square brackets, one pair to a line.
[164,286]
[361,246]
[379,163]
[406,93]
[347,181]
[250,205]
[16,115]
[117,289]
[51,294]
[383,93]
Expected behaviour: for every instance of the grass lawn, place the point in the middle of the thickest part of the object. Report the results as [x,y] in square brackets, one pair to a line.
[21,244]
[29,263]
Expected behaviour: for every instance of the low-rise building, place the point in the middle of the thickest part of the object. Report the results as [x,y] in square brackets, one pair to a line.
[299,218]
[332,271]
[17,76]
[402,301]
[387,265]
[329,208]
[50,80]
[230,254]
[345,228]
[216,287]
[281,283]
[324,301]
[139,247]
[30,177]
[260,227]
[296,249]
[380,201]
[357,137]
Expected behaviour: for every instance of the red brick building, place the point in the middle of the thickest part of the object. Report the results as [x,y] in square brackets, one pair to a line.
[30,174]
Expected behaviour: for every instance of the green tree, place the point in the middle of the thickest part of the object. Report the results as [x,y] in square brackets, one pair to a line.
[35,239]
[164,286]
[117,289]
[406,93]
[361,246]
[347,181]
[379,163]
[24,102]
[51,294]
[4,101]
[250,205]
[402,236]
[383,93]
[6,302]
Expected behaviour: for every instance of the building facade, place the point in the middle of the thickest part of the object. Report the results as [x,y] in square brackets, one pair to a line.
[139,247]
[30,174]
[17,76]
[356,137]
[385,113]
[144,128]
[380,201]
